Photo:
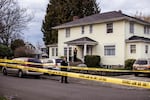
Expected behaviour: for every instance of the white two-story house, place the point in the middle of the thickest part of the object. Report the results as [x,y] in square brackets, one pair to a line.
[112,35]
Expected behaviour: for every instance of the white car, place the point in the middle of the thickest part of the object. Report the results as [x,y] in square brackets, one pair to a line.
[141,64]
[52,63]
[19,72]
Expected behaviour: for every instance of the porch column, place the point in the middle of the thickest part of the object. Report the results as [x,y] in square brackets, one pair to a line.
[85,50]
[68,53]
[72,54]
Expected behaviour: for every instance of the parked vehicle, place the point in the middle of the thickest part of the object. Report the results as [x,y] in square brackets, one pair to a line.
[83,66]
[19,72]
[141,64]
[51,63]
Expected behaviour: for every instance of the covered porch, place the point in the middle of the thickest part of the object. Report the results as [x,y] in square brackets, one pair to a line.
[81,47]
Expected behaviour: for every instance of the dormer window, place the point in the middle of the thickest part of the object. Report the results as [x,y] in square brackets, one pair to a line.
[109,27]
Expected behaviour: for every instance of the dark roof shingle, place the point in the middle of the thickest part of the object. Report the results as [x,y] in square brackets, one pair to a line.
[139,38]
[98,18]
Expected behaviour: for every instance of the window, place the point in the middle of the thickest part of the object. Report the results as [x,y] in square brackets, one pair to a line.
[131,27]
[53,51]
[91,28]
[82,29]
[67,32]
[56,51]
[70,51]
[146,49]
[109,50]
[146,30]
[132,48]
[109,28]
[65,51]
[141,62]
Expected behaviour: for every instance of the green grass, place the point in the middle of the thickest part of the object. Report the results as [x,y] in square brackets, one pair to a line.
[2,98]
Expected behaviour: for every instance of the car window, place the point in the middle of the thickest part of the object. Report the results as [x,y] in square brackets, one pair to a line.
[34,60]
[58,60]
[141,62]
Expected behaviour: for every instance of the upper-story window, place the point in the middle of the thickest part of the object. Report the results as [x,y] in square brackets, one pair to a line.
[91,28]
[109,27]
[146,30]
[131,27]
[82,29]
[67,32]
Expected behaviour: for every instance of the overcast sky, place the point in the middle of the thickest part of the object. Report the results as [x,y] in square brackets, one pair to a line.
[38,7]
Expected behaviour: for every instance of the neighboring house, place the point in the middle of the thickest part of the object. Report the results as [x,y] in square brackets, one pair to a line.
[35,51]
[112,35]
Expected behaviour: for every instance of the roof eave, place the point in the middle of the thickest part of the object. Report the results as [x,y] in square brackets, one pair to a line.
[134,41]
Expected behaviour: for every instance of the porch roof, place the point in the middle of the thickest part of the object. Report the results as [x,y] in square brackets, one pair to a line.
[82,41]
[138,39]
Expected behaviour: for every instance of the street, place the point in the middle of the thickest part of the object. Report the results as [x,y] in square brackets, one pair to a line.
[51,89]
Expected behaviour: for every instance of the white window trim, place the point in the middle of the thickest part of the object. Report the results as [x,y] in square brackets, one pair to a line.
[82,29]
[146,30]
[131,49]
[131,27]
[146,49]
[67,32]
[90,28]
[54,51]
[109,28]
[112,54]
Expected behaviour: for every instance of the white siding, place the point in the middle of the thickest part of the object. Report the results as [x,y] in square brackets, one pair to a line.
[99,34]
[117,38]
[140,51]
[138,30]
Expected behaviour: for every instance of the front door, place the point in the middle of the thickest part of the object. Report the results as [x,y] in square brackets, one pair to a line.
[88,51]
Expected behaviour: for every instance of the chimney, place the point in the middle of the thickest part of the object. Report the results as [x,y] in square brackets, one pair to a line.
[75,18]
[119,11]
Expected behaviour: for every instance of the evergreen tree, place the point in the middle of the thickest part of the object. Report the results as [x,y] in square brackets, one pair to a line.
[62,11]
[17,43]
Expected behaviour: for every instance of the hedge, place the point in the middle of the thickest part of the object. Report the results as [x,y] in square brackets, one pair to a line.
[92,60]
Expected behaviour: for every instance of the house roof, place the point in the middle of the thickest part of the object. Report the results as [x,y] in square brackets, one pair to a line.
[82,41]
[138,39]
[100,18]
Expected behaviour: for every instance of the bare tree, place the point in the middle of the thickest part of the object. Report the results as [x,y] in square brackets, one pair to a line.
[142,16]
[13,20]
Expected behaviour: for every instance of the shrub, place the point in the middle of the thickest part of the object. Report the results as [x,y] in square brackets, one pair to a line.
[129,63]
[92,60]
[5,51]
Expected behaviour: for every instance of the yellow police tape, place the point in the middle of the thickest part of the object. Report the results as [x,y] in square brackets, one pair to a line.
[74,67]
[126,82]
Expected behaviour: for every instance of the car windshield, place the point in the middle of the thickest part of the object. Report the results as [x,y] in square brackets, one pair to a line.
[58,60]
[141,62]
[49,61]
